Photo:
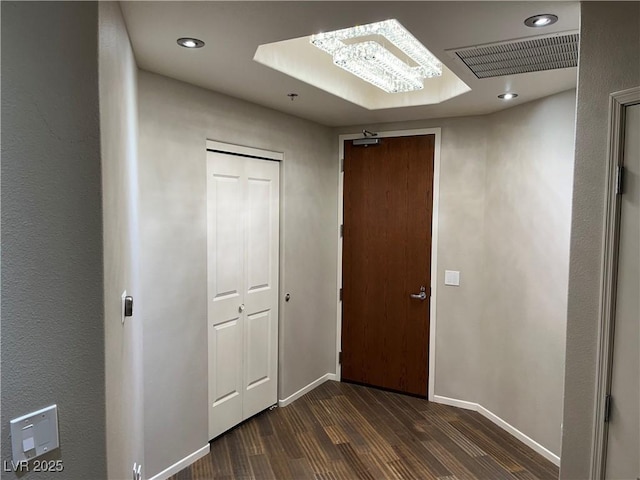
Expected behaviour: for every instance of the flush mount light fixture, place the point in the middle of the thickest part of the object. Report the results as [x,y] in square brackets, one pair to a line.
[507,96]
[187,42]
[542,20]
[354,50]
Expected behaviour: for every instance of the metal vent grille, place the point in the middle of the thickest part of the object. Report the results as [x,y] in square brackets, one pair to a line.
[521,56]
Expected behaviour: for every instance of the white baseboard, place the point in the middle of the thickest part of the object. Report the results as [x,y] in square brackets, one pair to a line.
[182,464]
[528,441]
[333,376]
[454,402]
[307,389]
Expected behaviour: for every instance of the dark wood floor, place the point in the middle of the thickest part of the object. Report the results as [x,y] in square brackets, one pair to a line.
[342,431]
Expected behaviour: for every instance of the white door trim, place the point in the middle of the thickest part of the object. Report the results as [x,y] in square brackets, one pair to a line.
[434,242]
[618,102]
[244,151]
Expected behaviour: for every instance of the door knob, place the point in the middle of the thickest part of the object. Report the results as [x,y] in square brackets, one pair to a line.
[422,295]
[241,308]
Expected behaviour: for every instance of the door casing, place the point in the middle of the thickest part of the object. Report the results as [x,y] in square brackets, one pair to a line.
[434,242]
[618,101]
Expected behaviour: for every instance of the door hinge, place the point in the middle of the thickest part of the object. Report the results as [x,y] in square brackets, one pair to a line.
[341,230]
[340,358]
[607,408]
[619,180]
[341,294]
[342,164]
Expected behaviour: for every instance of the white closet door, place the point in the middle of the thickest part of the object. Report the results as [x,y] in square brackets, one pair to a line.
[243,233]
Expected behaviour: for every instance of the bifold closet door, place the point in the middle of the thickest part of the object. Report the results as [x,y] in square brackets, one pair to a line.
[243,242]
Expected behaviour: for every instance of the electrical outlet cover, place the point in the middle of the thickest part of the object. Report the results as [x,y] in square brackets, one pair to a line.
[34,434]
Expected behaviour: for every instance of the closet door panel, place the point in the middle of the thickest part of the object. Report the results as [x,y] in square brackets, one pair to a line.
[261,287]
[243,266]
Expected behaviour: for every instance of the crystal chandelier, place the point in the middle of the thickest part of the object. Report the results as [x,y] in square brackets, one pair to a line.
[373,63]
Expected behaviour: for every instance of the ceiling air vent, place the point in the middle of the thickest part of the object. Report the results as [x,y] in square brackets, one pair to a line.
[532,54]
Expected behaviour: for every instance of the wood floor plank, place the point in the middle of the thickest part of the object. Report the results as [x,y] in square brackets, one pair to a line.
[445,457]
[239,459]
[499,439]
[202,470]
[491,448]
[300,418]
[524,475]
[343,410]
[433,464]
[401,471]
[479,469]
[285,431]
[472,449]
[313,453]
[342,470]
[184,475]
[280,463]
[356,463]
[264,424]
[377,428]
[219,458]
[336,434]
[325,476]
[261,467]
[322,414]
[300,468]
[251,438]
[375,465]
[330,449]
[415,461]
[371,430]
[340,431]
[494,469]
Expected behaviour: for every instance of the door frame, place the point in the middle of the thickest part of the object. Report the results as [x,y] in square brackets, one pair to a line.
[618,101]
[434,243]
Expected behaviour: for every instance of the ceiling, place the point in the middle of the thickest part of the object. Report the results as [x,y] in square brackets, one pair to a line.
[233,30]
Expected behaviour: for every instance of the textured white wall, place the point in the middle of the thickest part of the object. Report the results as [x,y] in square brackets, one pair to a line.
[527,222]
[175,121]
[609,62]
[119,143]
[460,247]
[52,283]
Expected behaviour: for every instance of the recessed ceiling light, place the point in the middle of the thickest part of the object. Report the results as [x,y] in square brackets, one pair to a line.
[542,20]
[187,42]
[507,96]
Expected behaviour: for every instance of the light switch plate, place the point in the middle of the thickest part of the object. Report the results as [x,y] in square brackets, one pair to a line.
[452,277]
[34,434]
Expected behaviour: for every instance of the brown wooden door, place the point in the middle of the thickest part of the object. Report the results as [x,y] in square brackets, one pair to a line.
[388,204]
